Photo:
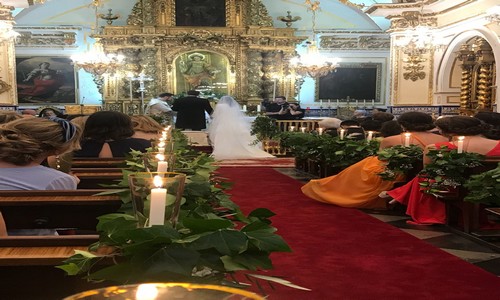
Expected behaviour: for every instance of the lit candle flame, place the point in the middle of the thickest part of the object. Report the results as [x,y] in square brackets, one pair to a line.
[158,181]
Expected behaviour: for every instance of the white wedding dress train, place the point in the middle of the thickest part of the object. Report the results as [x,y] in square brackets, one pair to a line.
[229,133]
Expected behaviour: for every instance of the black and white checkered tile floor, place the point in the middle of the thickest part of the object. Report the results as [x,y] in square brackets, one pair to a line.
[474,251]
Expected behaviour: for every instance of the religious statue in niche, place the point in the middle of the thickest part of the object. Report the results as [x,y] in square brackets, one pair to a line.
[211,13]
[197,70]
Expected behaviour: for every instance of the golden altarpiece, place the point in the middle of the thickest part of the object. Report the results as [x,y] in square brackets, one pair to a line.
[225,46]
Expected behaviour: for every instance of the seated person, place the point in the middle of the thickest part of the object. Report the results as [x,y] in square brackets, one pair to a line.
[359,115]
[109,134]
[145,127]
[331,125]
[382,116]
[390,128]
[50,112]
[25,143]
[372,125]
[353,130]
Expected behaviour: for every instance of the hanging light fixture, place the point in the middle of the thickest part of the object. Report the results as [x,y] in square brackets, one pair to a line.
[312,63]
[96,61]
[418,40]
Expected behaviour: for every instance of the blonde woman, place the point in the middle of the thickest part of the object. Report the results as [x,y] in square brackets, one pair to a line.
[25,143]
[145,127]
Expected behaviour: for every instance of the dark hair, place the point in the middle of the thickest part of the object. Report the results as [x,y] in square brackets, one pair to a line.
[349,123]
[493,119]
[461,125]
[416,121]
[193,93]
[390,128]
[57,112]
[371,125]
[103,126]
[382,116]
[282,97]
[165,95]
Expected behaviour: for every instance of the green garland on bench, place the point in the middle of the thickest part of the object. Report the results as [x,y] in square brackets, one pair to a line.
[212,240]
[484,188]
[399,161]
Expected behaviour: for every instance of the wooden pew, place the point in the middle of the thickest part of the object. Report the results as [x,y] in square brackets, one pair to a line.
[92,162]
[466,216]
[55,209]
[94,178]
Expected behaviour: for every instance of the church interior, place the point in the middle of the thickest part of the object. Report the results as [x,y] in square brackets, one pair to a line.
[331,57]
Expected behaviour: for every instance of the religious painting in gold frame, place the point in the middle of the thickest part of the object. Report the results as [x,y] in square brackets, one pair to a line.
[208,13]
[356,81]
[202,70]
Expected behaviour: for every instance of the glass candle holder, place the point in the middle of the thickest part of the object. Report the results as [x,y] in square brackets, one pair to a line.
[157,195]
[166,146]
[159,162]
[166,291]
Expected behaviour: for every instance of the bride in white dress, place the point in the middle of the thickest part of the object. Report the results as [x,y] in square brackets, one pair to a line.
[230,135]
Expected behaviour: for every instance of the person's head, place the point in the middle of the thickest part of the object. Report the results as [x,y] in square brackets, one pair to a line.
[371,125]
[165,96]
[28,112]
[382,116]
[193,93]
[349,123]
[50,113]
[280,99]
[330,123]
[461,125]
[390,128]
[25,141]
[108,125]
[359,113]
[493,119]
[145,123]
[416,121]
[8,116]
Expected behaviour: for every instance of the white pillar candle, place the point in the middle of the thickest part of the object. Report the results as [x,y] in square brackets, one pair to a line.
[370,136]
[364,103]
[161,147]
[357,103]
[407,139]
[244,107]
[460,144]
[303,129]
[320,130]
[320,103]
[158,201]
[291,128]
[342,133]
[274,90]
[162,164]
[337,103]
[329,103]
[258,108]
[373,102]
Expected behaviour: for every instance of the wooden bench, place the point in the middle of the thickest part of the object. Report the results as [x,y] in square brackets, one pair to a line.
[95,178]
[55,209]
[466,216]
[92,162]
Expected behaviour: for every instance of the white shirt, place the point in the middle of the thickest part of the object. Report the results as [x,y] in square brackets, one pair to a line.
[156,106]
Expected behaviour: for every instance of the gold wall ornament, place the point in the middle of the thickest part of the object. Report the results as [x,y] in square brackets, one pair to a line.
[414,68]
[355,41]
[46,37]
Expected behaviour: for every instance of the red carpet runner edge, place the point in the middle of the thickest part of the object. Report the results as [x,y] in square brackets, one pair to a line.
[342,253]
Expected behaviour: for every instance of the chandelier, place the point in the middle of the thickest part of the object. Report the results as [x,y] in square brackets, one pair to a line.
[418,40]
[312,63]
[96,61]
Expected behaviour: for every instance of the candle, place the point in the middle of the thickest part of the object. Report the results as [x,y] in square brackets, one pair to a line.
[460,144]
[337,103]
[158,201]
[342,133]
[131,93]
[258,108]
[244,107]
[292,128]
[162,164]
[161,147]
[303,129]
[274,89]
[320,130]
[370,136]
[329,103]
[320,103]
[407,139]
[373,102]
[357,103]
[364,103]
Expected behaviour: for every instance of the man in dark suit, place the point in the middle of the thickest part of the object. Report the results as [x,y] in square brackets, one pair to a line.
[191,111]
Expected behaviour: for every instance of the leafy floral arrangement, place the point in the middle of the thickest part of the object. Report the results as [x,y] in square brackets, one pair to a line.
[448,170]
[212,239]
[484,187]
[346,152]
[264,127]
[399,160]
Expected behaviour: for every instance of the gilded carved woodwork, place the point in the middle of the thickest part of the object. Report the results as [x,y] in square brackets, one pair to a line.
[4,86]
[413,68]
[153,44]
[40,39]
[411,19]
[360,42]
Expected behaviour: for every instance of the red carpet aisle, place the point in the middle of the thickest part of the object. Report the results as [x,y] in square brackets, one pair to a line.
[343,253]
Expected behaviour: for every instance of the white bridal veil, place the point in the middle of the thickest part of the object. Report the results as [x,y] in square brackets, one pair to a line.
[229,132]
